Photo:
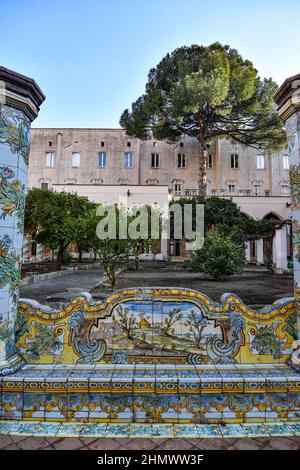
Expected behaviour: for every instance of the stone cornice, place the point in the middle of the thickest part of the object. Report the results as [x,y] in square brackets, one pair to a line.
[287,97]
[20,92]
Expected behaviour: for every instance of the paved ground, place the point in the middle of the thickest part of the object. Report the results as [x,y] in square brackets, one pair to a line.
[80,280]
[70,443]
[254,288]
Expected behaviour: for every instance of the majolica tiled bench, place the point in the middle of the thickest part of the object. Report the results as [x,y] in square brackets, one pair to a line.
[154,356]
[152,394]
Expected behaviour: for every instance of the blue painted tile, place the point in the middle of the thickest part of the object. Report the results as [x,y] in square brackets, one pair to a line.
[252,430]
[94,430]
[70,429]
[232,430]
[117,430]
[208,430]
[279,429]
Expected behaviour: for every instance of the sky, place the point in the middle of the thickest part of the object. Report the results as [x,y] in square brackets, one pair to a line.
[91,58]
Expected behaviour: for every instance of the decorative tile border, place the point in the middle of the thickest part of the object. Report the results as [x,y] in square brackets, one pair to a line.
[169,326]
[39,429]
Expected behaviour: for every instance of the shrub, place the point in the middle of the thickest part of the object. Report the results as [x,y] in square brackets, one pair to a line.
[221,256]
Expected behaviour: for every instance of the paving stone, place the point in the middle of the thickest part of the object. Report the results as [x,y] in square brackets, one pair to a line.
[5,441]
[280,443]
[142,444]
[212,444]
[12,447]
[248,444]
[87,440]
[68,443]
[32,443]
[104,444]
[176,444]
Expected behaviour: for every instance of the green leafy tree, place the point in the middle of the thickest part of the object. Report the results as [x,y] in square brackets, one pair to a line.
[206,92]
[220,256]
[115,252]
[52,216]
[84,228]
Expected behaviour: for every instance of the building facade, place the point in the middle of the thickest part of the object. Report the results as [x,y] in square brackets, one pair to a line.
[101,163]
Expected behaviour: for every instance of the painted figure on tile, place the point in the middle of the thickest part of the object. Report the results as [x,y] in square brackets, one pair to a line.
[265,341]
[12,196]
[15,131]
[9,267]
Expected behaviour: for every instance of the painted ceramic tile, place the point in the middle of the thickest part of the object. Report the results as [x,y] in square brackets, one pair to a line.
[208,430]
[70,429]
[185,430]
[252,430]
[295,428]
[93,430]
[162,430]
[161,331]
[118,430]
[279,429]
[235,430]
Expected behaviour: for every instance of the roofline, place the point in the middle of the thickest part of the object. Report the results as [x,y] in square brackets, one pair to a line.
[78,129]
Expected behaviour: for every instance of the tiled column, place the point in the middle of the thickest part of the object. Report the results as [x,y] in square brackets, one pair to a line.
[287,99]
[20,98]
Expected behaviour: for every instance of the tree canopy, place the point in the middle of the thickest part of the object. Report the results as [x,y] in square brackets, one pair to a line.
[55,218]
[207,92]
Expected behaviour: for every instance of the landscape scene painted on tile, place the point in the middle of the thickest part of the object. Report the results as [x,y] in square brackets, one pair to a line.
[156,325]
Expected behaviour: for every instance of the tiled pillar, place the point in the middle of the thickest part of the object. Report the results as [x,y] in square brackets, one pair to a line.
[20,98]
[287,99]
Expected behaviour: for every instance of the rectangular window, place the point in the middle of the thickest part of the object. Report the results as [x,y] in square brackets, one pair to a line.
[209,161]
[102,143]
[44,185]
[155,160]
[49,159]
[102,159]
[177,189]
[234,160]
[128,160]
[260,162]
[75,160]
[181,160]
[285,162]
[231,188]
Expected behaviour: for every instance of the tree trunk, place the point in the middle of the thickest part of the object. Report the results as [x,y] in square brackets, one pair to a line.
[79,255]
[59,257]
[202,162]
[110,272]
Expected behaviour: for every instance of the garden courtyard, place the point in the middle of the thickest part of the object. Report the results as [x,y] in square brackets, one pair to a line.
[255,286]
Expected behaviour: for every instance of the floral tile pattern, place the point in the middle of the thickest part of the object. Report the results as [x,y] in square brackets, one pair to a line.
[147,430]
